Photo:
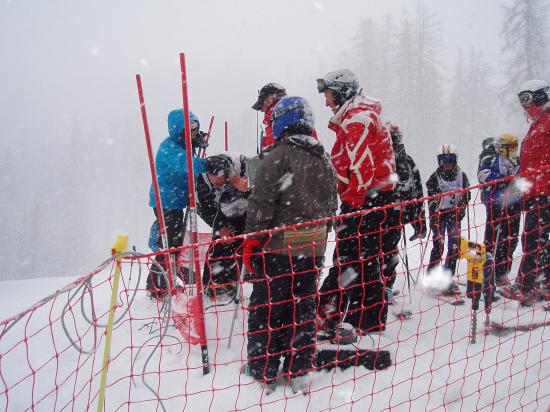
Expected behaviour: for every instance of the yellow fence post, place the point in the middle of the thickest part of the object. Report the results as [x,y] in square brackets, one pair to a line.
[120,246]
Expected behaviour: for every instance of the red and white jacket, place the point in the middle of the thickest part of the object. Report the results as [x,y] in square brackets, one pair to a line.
[362,154]
[535,154]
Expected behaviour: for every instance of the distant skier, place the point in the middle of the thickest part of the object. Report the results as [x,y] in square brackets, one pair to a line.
[363,158]
[294,183]
[447,212]
[534,168]
[408,187]
[502,203]
[268,97]
[171,167]
[222,202]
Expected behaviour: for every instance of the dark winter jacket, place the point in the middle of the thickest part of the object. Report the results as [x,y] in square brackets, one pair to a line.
[225,206]
[492,167]
[362,154]
[409,186]
[535,156]
[171,166]
[294,183]
[451,203]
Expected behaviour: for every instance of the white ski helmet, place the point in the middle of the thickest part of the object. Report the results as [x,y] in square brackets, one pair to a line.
[534,93]
[446,154]
[446,149]
[343,83]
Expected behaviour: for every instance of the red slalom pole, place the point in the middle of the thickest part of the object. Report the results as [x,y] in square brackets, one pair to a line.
[193,219]
[160,212]
[203,154]
[226,138]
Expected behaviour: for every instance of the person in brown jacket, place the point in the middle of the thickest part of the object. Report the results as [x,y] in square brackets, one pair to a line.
[295,183]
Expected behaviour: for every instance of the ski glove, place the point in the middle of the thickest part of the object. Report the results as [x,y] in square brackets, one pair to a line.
[418,233]
[248,249]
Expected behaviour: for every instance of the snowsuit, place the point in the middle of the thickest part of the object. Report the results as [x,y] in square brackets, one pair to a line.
[408,188]
[534,155]
[281,313]
[171,167]
[446,213]
[503,209]
[223,207]
[364,162]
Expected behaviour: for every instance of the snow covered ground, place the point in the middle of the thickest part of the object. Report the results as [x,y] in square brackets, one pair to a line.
[435,367]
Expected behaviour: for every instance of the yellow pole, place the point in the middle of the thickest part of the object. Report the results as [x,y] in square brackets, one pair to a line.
[120,246]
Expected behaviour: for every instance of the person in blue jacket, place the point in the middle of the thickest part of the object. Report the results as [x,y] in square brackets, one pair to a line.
[171,166]
[502,203]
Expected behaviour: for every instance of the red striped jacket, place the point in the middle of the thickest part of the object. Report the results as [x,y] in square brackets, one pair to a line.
[362,154]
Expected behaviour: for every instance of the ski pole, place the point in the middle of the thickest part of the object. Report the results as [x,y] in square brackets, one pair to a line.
[257,132]
[156,190]
[203,154]
[193,219]
[240,297]
[226,138]
[422,254]
[406,262]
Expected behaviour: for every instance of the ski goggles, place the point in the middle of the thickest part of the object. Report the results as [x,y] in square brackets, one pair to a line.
[446,158]
[537,98]
[322,85]
[512,147]
[526,99]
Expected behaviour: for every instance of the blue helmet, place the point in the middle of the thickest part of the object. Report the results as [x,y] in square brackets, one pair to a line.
[292,114]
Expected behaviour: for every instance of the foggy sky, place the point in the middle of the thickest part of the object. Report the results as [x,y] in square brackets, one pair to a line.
[68,89]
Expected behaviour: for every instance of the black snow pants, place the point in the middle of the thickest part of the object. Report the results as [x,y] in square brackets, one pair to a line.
[173,220]
[222,264]
[281,316]
[535,263]
[354,285]
[502,235]
[390,246]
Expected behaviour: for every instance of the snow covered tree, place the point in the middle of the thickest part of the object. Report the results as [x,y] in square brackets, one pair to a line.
[525,35]
[473,103]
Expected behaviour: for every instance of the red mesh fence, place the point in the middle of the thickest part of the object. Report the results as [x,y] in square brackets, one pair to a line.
[384,334]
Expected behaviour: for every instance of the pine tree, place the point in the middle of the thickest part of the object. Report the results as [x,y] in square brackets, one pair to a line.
[525,35]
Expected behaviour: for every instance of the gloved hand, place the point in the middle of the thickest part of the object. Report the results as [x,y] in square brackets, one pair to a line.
[434,225]
[419,233]
[248,249]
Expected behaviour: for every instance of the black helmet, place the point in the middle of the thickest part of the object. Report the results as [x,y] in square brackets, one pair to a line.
[219,165]
[270,88]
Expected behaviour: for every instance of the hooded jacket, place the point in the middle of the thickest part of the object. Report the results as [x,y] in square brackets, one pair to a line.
[535,156]
[294,183]
[362,154]
[171,165]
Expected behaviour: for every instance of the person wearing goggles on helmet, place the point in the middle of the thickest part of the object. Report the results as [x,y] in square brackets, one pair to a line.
[502,203]
[446,212]
[363,158]
[534,154]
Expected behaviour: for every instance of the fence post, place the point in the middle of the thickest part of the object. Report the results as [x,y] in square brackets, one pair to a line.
[120,245]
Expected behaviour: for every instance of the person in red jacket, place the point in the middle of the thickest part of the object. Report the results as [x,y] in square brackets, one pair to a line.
[268,97]
[535,170]
[364,161]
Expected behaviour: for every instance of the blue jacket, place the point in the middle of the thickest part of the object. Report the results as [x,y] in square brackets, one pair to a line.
[493,167]
[171,165]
